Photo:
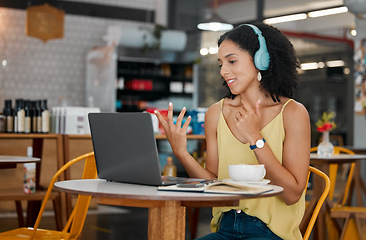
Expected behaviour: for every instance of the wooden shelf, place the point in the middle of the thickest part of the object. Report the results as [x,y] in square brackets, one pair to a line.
[28,135]
[157,136]
[189,136]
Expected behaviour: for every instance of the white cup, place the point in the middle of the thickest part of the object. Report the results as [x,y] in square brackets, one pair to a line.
[247,172]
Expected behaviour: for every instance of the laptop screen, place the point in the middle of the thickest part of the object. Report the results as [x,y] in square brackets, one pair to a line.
[125,147]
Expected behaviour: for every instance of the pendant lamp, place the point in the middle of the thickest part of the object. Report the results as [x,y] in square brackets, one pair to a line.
[45,22]
[215,22]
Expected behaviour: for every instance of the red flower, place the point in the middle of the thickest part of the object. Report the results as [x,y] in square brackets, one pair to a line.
[320,129]
[325,123]
[328,126]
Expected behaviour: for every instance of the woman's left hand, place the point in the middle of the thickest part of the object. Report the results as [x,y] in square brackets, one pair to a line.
[248,119]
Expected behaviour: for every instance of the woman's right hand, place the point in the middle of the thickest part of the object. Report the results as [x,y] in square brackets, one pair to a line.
[175,133]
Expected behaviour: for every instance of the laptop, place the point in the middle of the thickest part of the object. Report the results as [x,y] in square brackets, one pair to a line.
[125,149]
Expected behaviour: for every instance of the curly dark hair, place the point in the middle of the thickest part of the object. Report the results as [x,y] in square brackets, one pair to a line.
[280,79]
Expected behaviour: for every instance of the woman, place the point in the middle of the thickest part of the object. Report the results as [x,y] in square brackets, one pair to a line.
[258,123]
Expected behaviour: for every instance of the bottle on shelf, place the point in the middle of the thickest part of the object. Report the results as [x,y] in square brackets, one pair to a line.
[45,117]
[20,116]
[8,114]
[15,117]
[195,155]
[202,160]
[170,169]
[28,117]
[34,116]
[38,116]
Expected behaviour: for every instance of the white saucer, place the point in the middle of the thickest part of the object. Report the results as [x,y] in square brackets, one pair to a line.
[260,182]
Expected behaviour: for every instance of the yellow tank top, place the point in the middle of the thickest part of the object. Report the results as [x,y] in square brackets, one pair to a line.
[283,220]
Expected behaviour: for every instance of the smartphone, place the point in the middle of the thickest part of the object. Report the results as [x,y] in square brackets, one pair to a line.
[192,184]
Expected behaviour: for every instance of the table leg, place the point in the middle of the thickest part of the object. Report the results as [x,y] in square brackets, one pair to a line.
[167,222]
[37,152]
[358,184]
[19,208]
[193,216]
[32,212]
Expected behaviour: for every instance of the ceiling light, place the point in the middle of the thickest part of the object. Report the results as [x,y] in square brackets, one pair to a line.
[215,22]
[204,51]
[335,63]
[327,12]
[321,64]
[287,18]
[309,66]
[213,50]
[353,32]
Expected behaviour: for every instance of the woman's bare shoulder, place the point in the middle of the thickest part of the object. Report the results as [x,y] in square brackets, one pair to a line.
[212,114]
[295,111]
[295,107]
[214,109]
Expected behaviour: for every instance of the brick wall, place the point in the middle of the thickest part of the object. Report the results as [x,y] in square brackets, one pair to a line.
[54,70]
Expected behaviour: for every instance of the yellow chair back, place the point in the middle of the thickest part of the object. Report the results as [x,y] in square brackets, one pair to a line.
[76,220]
[320,202]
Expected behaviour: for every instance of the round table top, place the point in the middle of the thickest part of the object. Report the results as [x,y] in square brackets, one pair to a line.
[102,188]
[336,158]
[17,159]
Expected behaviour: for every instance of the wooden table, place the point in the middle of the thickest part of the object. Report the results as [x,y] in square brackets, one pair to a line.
[167,210]
[32,211]
[322,163]
[37,144]
[12,161]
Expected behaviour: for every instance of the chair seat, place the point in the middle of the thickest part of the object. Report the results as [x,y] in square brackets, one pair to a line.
[26,233]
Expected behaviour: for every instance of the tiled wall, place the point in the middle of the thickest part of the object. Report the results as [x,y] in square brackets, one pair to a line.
[55,70]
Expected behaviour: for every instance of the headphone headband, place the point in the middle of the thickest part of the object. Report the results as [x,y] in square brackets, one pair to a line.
[261,57]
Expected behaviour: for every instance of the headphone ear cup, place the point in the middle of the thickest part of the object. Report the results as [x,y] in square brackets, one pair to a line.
[261,60]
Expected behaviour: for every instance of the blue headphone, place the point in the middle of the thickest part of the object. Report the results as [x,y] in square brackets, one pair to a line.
[261,57]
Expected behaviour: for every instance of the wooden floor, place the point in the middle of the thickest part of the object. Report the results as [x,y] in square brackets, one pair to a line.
[111,223]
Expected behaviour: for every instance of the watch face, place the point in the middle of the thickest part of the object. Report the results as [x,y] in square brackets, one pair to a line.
[259,143]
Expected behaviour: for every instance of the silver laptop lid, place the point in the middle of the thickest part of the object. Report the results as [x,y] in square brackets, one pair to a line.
[125,147]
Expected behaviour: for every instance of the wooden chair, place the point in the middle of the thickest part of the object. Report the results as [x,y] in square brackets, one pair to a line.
[338,210]
[354,226]
[354,218]
[76,220]
[320,202]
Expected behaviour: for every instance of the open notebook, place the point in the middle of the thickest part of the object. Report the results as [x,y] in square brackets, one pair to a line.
[229,187]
